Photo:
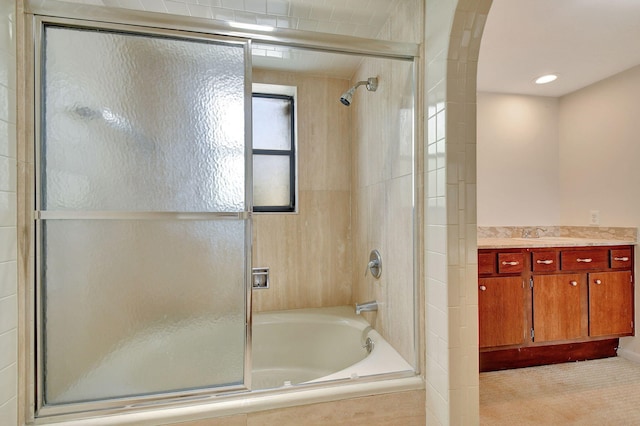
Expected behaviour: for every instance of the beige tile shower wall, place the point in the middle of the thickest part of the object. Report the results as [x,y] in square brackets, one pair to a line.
[8,235]
[382,187]
[308,253]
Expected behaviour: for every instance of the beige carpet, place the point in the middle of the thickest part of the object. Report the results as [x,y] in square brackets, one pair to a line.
[600,392]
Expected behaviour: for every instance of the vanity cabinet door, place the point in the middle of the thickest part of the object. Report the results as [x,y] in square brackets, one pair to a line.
[501,311]
[610,303]
[558,307]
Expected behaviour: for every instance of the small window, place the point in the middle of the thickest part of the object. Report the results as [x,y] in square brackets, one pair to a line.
[273,153]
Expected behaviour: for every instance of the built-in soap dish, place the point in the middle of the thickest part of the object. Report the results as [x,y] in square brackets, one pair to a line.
[260,278]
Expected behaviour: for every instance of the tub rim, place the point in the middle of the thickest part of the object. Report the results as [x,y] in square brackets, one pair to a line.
[214,406]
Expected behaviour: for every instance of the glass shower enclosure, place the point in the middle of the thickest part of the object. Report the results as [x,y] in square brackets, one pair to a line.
[142,214]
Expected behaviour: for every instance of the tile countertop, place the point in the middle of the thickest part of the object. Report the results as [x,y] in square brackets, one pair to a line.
[489,243]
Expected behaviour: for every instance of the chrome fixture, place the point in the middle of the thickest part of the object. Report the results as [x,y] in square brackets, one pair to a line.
[372,86]
[366,307]
[368,345]
[375,264]
[260,278]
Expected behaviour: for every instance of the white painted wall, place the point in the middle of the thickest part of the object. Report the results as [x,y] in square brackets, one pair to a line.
[599,152]
[8,234]
[550,161]
[518,160]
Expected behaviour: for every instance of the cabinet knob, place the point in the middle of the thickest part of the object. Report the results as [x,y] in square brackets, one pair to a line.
[598,282]
[513,263]
[585,260]
[621,259]
[573,283]
[483,288]
[545,262]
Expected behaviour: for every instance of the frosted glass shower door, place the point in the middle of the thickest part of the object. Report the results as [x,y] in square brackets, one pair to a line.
[142,222]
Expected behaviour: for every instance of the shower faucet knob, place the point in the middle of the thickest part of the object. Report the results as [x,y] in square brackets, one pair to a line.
[375,264]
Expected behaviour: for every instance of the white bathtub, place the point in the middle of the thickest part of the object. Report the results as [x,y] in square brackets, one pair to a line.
[313,345]
[289,348]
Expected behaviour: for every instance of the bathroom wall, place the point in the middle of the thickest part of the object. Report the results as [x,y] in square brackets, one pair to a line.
[8,235]
[382,175]
[561,157]
[518,163]
[309,253]
[599,152]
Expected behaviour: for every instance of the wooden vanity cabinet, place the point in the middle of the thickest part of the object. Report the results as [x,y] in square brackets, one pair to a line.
[575,304]
[558,299]
[501,311]
[611,303]
[501,299]
[558,307]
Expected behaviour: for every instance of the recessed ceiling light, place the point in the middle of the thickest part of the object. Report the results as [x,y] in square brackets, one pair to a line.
[546,78]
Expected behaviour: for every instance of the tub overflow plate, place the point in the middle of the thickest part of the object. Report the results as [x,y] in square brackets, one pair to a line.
[368,345]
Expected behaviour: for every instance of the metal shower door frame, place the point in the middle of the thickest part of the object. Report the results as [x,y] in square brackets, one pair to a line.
[36,375]
[37,11]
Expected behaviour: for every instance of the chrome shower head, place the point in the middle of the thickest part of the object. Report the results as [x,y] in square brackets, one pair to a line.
[346,96]
[371,84]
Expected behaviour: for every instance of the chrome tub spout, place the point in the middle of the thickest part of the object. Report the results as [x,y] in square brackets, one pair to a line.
[366,307]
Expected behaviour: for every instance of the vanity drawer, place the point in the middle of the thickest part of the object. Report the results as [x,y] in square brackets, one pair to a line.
[510,263]
[582,260]
[621,258]
[545,261]
[486,263]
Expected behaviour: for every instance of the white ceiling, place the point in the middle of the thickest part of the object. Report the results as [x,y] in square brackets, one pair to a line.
[583,41]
